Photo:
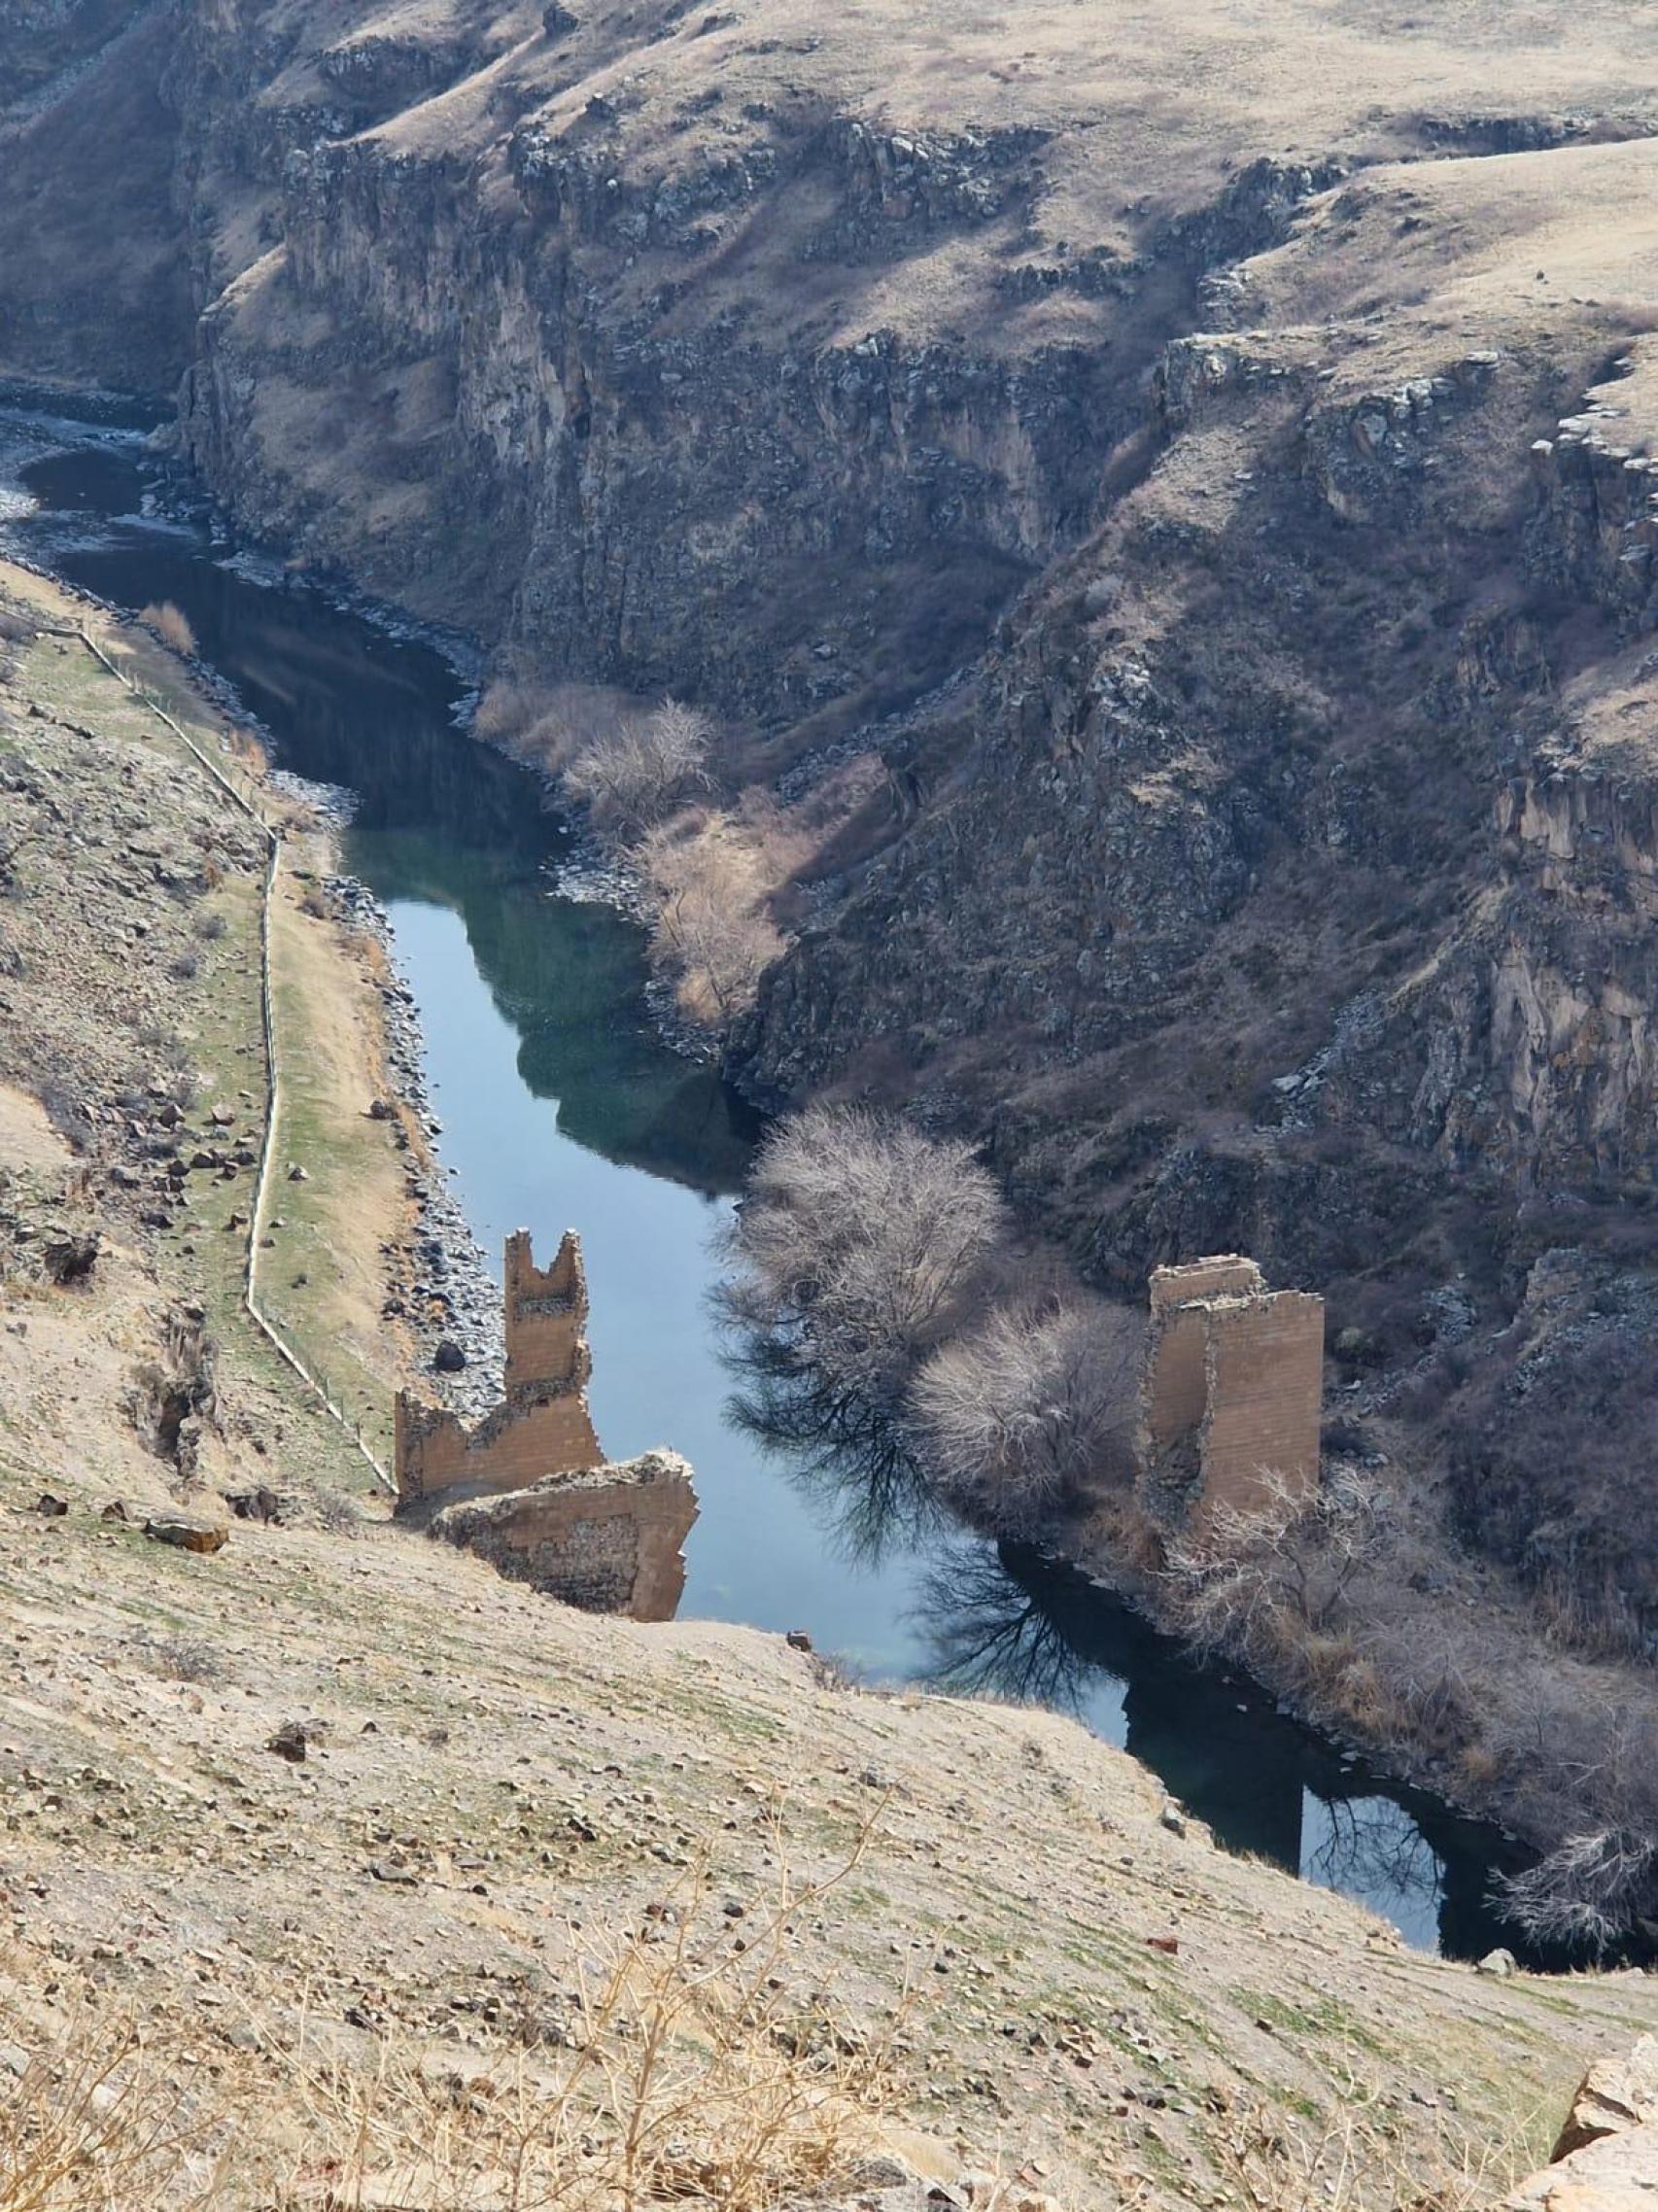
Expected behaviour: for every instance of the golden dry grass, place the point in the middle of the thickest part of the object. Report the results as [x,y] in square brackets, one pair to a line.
[682,2075]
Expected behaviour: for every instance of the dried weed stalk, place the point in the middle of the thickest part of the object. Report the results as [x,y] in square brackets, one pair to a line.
[691,2076]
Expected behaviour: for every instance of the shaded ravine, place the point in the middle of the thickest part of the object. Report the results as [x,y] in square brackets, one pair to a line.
[562,1107]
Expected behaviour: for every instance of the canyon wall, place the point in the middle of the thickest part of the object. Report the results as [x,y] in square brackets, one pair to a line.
[1220,502]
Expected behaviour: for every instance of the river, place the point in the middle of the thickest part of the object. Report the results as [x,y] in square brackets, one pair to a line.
[561,1107]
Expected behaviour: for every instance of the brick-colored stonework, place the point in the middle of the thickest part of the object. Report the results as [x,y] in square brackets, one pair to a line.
[528,1487]
[608,1541]
[543,1426]
[1232,1390]
[547,1317]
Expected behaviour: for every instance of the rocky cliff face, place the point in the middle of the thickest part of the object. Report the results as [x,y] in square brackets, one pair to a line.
[1225,511]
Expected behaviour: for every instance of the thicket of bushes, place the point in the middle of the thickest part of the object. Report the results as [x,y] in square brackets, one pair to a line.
[881,1264]
[642,778]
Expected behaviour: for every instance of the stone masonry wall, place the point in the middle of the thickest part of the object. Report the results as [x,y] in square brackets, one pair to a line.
[1265,1375]
[528,1488]
[1175,1406]
[543,1426]
[1231,1392]
[546,1316]
[517,1444]
[608,1541]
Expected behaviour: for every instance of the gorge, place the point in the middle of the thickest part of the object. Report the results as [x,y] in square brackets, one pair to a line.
[1239,452]
[558,1103]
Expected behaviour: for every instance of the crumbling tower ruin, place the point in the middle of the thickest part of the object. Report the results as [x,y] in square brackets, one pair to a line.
[1231,1392]
[528,1488]
[543,1426]
[546,1321]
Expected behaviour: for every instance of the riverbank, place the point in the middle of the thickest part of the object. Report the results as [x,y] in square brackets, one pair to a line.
[335,1234]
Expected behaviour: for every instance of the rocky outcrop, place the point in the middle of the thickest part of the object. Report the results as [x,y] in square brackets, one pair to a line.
[1607,2157]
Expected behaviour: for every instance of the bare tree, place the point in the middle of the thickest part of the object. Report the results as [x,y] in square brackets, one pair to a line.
[1025,1411]
[1288,1553]
[867,1235]
[633,774]
[1599,1759]
[990,1636]
[1589,1890]
[711,924]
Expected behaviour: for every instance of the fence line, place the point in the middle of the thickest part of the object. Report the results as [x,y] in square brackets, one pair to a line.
[267,1011]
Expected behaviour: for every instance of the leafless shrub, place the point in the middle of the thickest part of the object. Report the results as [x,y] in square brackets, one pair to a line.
[181,1659]
[867,1234]
[636,774]
[171,624]
[1601,1760]
[1022,1411]
[1589,1890]
[546,725]
[711,924]
[340,1515]
[97,2122]
[1352,2160]
[185,966]
[506,709]
[1291,1554]
[688,2075]
[210,926]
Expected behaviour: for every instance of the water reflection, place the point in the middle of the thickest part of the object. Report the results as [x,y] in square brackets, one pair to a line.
[567,977]
[1006,1622]
[845,1455]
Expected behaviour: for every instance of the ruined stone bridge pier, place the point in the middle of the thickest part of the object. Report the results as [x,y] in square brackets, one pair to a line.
[529,1486]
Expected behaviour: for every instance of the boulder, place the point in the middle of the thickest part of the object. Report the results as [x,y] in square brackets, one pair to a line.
[187,1531]
[1613,2096]
[1614,2173]
[258,1505]
[69,1258]
[1607,2157]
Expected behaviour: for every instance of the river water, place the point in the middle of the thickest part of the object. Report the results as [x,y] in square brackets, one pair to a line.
[561,1107]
